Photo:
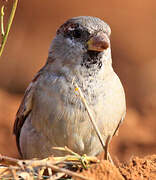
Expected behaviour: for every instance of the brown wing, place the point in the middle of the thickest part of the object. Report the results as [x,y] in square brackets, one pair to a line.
[23,112]
[26,104]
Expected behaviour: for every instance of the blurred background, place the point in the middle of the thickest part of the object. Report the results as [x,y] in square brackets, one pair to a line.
[133,42]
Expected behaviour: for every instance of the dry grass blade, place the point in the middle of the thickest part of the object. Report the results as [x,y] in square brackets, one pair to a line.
[68,172]
[58,175]
[67,150]
[8,160]
[57,166]
[40,173]
[14,173]
[50,173]
[90,115]
[4,171]
[93,123]
[74,156]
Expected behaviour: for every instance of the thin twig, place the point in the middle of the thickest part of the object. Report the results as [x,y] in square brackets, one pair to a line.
[8,160]
[93,122]
[41,162]
[40,173]
[107,155]
[5,36]
[68,172]
[90,116]
[72,152]
[58,175]
[73,157]
[2,21]
[21,167]
[14,173]
[50,174]
[67,150]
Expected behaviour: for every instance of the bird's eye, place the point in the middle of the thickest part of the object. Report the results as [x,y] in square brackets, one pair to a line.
[76,33]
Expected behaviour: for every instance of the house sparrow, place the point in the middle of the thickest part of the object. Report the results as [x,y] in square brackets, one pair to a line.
[52,114]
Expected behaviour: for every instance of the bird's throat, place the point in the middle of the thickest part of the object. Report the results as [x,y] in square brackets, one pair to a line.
[92,59]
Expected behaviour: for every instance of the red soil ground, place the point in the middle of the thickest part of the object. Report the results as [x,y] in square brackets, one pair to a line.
[135,169]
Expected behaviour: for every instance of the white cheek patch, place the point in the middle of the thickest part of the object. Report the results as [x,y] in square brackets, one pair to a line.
[70,41]
[75,47]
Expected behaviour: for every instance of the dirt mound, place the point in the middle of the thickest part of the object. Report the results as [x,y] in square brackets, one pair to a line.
[103,171]
[135,169]
[138,169]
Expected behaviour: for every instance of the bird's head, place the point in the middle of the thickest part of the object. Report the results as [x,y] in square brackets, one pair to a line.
[82,41]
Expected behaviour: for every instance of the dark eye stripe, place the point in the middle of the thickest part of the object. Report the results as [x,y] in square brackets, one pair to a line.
[76,33]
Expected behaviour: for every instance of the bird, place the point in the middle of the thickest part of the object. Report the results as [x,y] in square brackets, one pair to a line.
[52,114]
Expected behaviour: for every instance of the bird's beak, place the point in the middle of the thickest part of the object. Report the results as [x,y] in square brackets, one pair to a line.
[99,42]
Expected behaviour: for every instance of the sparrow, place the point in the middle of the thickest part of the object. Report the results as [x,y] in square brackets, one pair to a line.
[51,113]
